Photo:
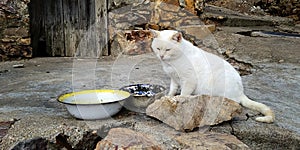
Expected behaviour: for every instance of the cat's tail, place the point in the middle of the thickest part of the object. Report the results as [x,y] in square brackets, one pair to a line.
[268,117]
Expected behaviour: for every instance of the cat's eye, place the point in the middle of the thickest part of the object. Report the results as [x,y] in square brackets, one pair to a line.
[168,49]
[158,49]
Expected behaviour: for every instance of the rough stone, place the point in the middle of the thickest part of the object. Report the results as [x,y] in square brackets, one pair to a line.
[35,143]
[18,51]
[19,32]
[187,113]
[14,30]
[7,40]
[62,141]
[134,42]
[158,15]
[285,8]
[122,138]
[193,6]
[199,31]
[26,41]
[289,8]
[228,17]
[210,141]
[88,141]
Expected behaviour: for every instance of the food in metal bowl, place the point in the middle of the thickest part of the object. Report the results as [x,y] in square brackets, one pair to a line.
[143,96]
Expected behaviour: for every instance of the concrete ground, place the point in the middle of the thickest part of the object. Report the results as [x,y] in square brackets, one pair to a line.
[28,95]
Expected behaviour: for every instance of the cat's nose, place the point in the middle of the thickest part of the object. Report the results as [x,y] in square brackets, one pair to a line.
[162,56]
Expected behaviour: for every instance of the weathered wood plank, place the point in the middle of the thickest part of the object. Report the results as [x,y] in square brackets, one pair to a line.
[92,34]
[54,28]
[36,13]
[71,27]
[80,36]
[70,19]
[101,12]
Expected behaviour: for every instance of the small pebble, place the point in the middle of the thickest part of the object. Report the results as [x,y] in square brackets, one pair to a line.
[12,119]
[220,17]
[281,61]
[94,132]
[18,66]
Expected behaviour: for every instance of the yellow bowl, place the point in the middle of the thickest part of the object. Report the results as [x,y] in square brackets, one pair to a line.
[94,104]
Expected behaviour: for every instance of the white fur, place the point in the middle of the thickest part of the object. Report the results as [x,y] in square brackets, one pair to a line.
[198,72]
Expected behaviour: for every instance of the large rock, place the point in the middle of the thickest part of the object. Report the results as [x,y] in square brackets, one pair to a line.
[122,138]
[189,112]
[210,141]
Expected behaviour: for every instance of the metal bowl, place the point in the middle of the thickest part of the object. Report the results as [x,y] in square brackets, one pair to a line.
[94,104]
[143,96]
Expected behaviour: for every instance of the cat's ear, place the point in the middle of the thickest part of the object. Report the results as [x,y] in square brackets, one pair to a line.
[177,37]
[155,33]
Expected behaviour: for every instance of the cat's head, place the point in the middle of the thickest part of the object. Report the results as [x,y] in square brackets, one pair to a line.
[166,44]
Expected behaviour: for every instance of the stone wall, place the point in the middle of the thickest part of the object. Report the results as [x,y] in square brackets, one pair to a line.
[14,30]
[283,8]
[289,8]
[125,19]
[15,39]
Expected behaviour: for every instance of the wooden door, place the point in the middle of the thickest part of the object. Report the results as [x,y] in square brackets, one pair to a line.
[68,27]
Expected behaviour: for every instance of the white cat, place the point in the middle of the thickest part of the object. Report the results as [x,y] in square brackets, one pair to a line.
[198,72]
